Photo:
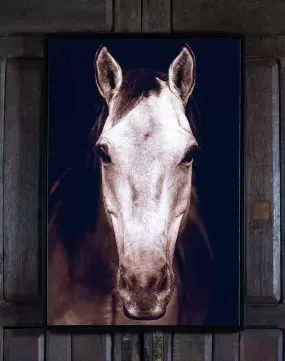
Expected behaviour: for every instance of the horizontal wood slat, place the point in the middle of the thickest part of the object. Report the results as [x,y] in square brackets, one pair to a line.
[246,17]
[261,345]
[55,16]
[262,182]
[156,16]
[127,16]
[24,345]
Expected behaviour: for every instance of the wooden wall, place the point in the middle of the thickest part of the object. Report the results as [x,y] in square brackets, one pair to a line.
[21,78]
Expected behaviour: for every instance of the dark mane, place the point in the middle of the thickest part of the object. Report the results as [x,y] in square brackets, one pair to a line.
[74,204]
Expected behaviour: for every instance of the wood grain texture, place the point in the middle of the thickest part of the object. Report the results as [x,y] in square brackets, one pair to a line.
[265,47]
[55,16]
[167,346]
[21,314]
[156,16]
[192,347]
[26,45]
[127,16]
[262,182]
[157,345]
[89,347]
[117,344]
[250,17]
[226,347]
[282,168]
[2,104]
[261,345]
[58,347]
[21,179]
[265,316]
[148,346]
[23,344]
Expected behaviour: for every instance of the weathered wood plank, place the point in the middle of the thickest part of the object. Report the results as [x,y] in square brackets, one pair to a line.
[157,346]
[21,179]
[261,345]
[226,347]
[262,183]
[2,102]
[23,344]
[282,168]
[58,347]
[88,347]
[20,314]
[250,17]
[55,16]
[148,346]
[167,349]
[192,347]
[265,47]
[265,316]
[19,46]
[117,341]
[127,16]
[135,347]
[156,16]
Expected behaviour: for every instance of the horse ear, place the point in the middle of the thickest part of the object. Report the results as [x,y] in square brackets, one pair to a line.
[181,74]
[108,73]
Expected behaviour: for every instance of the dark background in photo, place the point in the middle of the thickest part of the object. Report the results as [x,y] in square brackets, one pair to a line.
[73,105]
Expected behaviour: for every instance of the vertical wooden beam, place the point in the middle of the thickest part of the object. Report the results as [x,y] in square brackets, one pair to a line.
[226,347]
[23,344]
[262,182]
[261,345]
[282,168]
[156,16]
[192,347]
[21,179]
[58,347]
[88,347]
[2,115]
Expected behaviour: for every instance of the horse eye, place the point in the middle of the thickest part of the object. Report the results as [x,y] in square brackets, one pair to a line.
[188,158]
[104,155]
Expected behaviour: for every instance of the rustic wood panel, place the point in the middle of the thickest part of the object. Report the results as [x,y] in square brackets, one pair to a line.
[55,16]
[117,343]
[89,348]
[282,168]
[261,345]
[265,316]
[127,16]
[23,344]
[250,17]
[148,346]
[262,182]
[265,47]
[226,347]
[156,16]
[26,45]
[21,179]
[167,347]
[2,102]
[192,347]
[21,314]
[58,347]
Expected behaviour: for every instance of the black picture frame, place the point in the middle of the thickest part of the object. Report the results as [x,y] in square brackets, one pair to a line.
[44,192]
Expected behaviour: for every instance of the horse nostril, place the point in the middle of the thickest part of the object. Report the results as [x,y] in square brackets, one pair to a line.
[164,282]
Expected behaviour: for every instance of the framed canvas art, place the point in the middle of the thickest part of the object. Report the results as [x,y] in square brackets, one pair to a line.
[143,189]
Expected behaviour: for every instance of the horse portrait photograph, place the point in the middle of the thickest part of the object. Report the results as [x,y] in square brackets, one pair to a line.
[143,221]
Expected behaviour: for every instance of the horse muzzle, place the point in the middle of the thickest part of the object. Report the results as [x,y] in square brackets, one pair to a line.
[145,291]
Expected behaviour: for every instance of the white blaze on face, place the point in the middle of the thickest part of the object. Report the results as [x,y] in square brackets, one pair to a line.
[146,189]
[146,180]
